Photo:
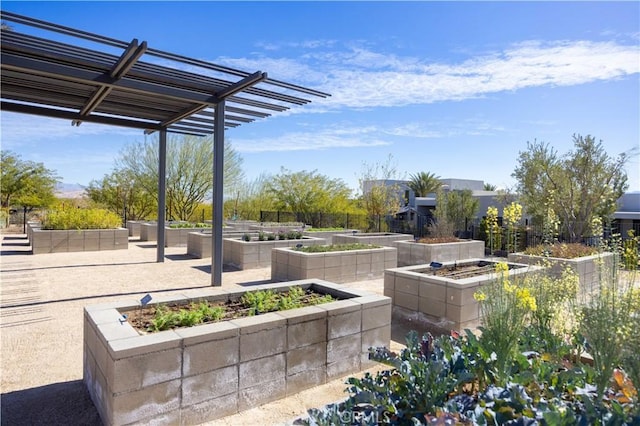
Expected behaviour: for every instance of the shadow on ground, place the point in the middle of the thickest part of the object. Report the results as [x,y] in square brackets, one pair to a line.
[66,403]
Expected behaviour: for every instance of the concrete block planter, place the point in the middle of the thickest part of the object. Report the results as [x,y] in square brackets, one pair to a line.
[588,268]
[148,231]
[377,238]
[257,254]
[446,300]
[199,243]
[173,237]
[195,375]
[413,253]
[63,241]
[335,266]
[328,235]
[177,237]
[134,227]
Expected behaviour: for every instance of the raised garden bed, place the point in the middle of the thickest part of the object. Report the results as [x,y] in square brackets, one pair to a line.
[257,254]
[590,269]
[134,227]
[378,238]
[198,374]
[173,237]
[445,294]
[328,235]
[76,240]
[199,243]
[335,266]
[418,253]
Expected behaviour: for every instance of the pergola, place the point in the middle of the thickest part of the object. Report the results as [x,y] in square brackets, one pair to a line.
[97,79]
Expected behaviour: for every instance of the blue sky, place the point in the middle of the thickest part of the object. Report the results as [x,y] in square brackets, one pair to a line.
[452,88]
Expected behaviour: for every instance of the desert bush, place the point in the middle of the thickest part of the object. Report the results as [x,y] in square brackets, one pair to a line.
[81,219]
[562,250]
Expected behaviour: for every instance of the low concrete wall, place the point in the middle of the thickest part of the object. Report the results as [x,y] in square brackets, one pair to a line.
[198,374]
[328,235]
[412,253]
[336,266]
[177,237]
[134,227]
[378,238]
[590,269]
[54,241]
[199,243]
[257,254]
[149,231]
[447,301]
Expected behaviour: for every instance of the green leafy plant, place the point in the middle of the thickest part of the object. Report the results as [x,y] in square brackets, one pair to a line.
[166,318]
[186,225]
[246,237]
[335,247]
[261,301]
[261,236]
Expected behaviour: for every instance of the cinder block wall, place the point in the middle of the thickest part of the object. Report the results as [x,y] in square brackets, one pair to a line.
[193,375]
[412,253]
[54,241]
[338,267]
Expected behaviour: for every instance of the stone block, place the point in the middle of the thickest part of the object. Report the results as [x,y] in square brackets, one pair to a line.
[377,316]
[210,409]
[343,355]
[142,371]
[262,370]
[130,407]
[210,385]
[261,393]
[210,355]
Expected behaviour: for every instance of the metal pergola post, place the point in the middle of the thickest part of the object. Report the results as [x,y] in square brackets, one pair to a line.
[45,76]
[218,195]
[162,192]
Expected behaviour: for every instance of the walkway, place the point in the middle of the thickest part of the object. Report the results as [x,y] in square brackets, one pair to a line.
[41,308]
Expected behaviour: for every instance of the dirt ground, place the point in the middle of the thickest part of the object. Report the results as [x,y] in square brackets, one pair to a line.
[41,308]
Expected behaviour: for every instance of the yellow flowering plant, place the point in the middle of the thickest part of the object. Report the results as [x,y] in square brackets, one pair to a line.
[512,216]
[493,229]
[505,306]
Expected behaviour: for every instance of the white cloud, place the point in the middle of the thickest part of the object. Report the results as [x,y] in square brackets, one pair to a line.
[309,141]
[363,78]
[344,135]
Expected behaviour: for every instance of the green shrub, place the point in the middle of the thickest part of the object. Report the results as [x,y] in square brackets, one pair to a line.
[184,225]
[81,219]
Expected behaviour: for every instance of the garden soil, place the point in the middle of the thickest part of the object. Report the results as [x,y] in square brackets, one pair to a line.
[42,301]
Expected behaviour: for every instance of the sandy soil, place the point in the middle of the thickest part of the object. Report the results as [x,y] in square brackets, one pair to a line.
[42,298]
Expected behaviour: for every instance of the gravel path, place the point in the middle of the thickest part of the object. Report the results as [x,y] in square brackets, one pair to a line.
[41,308]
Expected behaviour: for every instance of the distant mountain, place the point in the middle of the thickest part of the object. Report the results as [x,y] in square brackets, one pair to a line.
[69,190]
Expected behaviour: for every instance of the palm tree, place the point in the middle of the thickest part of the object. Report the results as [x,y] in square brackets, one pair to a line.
[489,187]
[424,183]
